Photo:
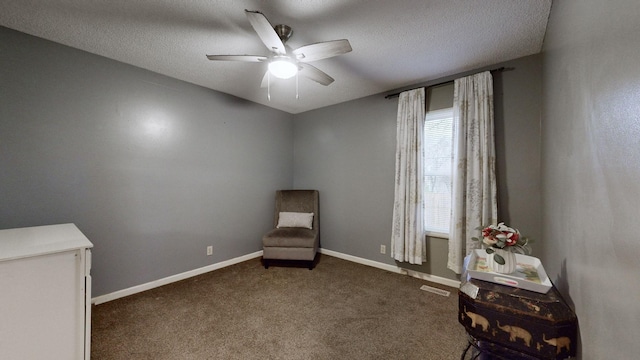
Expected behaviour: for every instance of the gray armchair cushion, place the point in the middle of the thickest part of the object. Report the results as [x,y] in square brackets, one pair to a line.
[289,237]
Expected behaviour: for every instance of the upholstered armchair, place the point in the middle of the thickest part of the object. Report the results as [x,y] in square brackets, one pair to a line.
[296,233]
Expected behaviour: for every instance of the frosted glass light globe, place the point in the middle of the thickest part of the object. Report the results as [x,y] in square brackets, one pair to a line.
[283,69]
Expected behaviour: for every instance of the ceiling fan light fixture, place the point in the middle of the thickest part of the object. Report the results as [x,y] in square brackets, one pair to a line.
[283,68]
[284,62]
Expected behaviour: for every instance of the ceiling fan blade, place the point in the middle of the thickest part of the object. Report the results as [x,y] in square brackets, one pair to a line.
[244,58]
[315,74]
[265,31]
[322,50]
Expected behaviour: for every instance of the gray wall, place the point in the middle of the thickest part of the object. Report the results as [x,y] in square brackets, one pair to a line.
[347,151]
[151,169]
[591,169]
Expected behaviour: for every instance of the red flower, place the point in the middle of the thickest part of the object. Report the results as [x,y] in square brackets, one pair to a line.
[513,239]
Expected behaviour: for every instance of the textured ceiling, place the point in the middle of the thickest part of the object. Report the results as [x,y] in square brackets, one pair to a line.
[395,43]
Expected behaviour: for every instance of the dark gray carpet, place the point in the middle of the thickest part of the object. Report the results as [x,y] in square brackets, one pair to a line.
[339,310]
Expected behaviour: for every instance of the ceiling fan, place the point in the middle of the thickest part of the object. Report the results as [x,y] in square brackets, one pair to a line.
[284,62]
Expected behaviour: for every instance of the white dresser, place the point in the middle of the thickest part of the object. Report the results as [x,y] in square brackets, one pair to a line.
[45,293]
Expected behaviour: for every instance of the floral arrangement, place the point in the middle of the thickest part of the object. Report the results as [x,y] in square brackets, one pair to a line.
[503,237]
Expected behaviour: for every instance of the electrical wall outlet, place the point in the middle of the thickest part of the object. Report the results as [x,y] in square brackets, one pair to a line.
[209,250]
[383,249]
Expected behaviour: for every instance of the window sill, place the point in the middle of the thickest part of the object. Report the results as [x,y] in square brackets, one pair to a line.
[434,234]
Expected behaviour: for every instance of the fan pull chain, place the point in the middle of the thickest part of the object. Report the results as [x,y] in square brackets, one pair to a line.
[269,85]
[297,96]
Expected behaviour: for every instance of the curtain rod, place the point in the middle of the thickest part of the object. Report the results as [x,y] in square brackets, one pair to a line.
[442,83]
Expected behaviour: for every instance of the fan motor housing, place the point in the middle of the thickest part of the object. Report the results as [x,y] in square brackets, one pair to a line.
[284,32]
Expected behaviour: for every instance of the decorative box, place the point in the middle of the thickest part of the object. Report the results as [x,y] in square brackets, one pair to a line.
[540,325]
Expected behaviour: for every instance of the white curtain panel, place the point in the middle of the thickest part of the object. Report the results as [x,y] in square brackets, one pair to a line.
[474,195]
[407,239]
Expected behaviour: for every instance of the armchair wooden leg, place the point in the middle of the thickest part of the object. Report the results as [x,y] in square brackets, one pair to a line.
[265,262]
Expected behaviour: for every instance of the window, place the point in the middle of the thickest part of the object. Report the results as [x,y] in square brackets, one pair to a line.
[438,150]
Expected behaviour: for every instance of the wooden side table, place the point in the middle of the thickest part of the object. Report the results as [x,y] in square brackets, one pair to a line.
[511,323]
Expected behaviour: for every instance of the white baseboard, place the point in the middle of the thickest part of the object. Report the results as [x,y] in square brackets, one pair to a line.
[171,279]
[393,268]
[185,275]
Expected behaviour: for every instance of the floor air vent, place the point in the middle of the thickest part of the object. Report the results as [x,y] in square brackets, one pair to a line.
[435,290]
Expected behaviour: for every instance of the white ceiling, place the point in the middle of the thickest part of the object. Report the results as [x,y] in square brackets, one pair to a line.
[395,43]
